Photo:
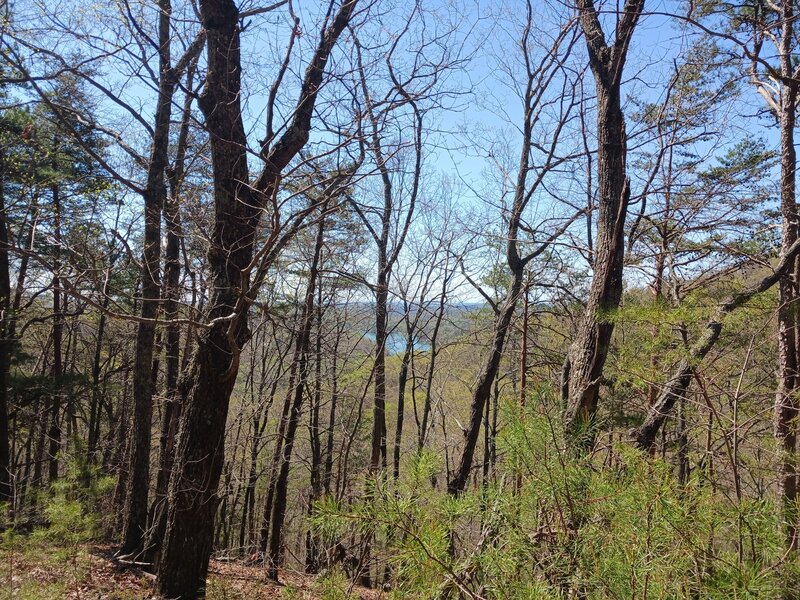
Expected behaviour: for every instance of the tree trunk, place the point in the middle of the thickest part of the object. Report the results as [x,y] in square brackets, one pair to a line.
[5,343]
[172,272]
[206,388]
[329,442]
[402,380]
[154,196]
[57,372]
[483,391]
[378,455]
[786,401]
[303,339]
[95,408]
[433,352]
[588,354]
[315,440]
[263,541]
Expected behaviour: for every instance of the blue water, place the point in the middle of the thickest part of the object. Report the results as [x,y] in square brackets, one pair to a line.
[396,343]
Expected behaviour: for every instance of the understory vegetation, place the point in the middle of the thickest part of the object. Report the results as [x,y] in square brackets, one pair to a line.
[542,525]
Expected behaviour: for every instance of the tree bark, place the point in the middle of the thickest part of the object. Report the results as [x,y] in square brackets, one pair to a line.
[154,196]
[588,353]
[378,455]
[171,294]
[5,343]
[206,388]
[313,542]
[57,368]
[787,408]
[778,85]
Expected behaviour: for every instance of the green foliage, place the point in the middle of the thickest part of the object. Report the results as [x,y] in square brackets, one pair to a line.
[548,524]
[334,585]
[71,511]
[71,519]
[68,524]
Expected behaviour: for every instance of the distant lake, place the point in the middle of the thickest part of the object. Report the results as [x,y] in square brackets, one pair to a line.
[396,343]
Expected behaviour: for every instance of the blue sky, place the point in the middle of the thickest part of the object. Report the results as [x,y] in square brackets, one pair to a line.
[477,132]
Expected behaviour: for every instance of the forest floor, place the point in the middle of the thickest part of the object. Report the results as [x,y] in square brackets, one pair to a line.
[87,572]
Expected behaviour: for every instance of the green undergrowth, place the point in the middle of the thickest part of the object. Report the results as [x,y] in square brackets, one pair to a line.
[62,551]
[547,524]
[55,559]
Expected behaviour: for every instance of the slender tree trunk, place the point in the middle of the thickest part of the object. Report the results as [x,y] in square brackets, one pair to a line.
[378,456]
[95,408]
[328,472]
[172,273]
[172,408]
[263,541]
[786,401]
[315,441]
[303,341]
[486,442]
[483,391]
[252,479]
[683,444]
[120,447]
[434,352]
[57,372]
[386,258]
[154,196]
[8,340]
[523,353]
[402,380]
[40,410]
[5,343]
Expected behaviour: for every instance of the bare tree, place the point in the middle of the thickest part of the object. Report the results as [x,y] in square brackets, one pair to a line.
[544,74]
[398,162]
[238,206]
[155,196]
